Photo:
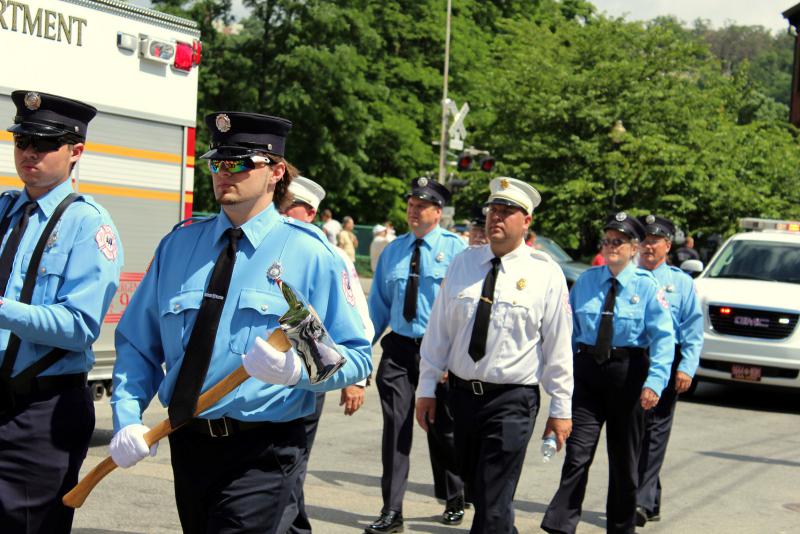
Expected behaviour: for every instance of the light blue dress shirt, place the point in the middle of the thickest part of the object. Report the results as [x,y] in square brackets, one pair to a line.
[158,321]
[77,278]
[641,317]
[687,317]
[388,291]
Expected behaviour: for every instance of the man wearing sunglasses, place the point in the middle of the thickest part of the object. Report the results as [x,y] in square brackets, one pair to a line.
[205,307]
[59,269]
[303,205]
[500,326]
[687,319]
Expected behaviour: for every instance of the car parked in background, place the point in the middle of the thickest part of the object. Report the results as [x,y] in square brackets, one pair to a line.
[572,269]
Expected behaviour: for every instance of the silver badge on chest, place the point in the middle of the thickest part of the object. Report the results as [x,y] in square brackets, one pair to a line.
[635,299]
[670,288]
[275,271]
[440,257]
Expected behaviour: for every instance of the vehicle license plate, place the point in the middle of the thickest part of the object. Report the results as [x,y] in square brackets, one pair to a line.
[746,372]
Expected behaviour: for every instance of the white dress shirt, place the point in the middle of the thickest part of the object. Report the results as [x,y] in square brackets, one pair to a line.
[530,331]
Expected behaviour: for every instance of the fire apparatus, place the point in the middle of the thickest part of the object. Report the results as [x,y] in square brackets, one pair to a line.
[138,67]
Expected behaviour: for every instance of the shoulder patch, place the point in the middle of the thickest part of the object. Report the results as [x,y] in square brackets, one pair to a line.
[191,220]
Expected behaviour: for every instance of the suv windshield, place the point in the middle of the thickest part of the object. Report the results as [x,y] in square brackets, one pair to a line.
[758,260]
[552,248]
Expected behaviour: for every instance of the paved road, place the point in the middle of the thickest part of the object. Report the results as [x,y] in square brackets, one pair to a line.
[733,467]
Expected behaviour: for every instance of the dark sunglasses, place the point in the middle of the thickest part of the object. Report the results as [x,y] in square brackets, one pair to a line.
[40,144]
[616,242]
[236,165]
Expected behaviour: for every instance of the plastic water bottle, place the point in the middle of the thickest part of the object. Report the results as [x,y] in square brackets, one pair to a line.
[549,447]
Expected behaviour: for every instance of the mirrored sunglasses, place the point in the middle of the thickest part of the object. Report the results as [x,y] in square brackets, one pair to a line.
[236,165]
[40,144]
[616,242]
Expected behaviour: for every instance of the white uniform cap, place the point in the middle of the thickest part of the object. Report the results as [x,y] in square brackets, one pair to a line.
[307,191]
[378,228]
[513,192]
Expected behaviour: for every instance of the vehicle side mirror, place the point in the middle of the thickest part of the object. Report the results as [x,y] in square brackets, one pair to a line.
[692,267]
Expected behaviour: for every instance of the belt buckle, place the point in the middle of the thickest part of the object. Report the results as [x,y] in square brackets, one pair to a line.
[224,433]
[477,387]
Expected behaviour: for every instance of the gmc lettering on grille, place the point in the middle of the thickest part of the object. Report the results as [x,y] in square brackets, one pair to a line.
[757,322]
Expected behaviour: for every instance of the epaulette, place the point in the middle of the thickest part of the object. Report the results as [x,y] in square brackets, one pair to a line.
[541,255]
[309,229]
[193,220]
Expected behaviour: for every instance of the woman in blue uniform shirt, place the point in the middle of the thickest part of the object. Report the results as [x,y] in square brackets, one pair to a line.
[619,317]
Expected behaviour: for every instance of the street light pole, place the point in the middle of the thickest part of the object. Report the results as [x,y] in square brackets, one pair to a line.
[443,136]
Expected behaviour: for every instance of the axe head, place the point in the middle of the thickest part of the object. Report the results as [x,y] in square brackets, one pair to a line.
[308,337]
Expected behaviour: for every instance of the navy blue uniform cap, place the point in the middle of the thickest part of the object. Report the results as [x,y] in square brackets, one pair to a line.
[660,226]
[626,224]
[47,115]
[430,190]
[237,135]
[479,215]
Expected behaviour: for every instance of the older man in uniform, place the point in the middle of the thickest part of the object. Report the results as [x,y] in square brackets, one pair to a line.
[209,299]
[687,319]
[410,271]
[59,269]
[500,326]
[477,226]
[302,205]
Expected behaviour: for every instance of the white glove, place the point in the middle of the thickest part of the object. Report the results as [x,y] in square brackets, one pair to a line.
[128,446]
[268,364]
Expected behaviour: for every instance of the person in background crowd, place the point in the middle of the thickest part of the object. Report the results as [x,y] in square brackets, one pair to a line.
[624,344]
[347,240]
[477,227]
[379,242]
[330,226]
[687,320]
[686,252]
[530,238]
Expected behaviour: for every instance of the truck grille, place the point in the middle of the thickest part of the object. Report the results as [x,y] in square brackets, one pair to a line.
[752,323]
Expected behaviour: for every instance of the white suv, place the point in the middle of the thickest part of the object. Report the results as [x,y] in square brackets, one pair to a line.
[750,296]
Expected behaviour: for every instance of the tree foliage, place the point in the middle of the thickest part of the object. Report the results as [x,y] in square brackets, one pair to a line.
[706,136]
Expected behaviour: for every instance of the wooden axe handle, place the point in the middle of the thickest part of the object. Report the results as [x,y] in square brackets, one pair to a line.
[77,495]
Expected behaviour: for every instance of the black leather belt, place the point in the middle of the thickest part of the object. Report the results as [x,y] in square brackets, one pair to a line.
[224,427]
[617,353]
[415,340]
[478,387]
[47,385]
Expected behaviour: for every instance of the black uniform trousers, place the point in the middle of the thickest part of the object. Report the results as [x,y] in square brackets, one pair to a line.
[658,425]
[398,373]
[607,393]
[238,483]
[295,519]
[43,442]
[492,432]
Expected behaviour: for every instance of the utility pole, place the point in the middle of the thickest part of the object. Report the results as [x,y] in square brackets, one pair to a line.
[445,112]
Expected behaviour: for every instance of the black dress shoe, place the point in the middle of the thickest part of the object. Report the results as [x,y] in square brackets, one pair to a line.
[454,511]
[390,521]
[641,516]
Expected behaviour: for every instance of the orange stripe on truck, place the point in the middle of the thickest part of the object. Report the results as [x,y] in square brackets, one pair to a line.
[111,190]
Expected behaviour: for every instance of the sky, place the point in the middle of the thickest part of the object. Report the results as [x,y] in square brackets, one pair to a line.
[765,13]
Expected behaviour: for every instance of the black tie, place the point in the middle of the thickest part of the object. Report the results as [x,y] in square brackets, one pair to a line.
[412,286]
[605,332]
[12,244]
[477,343]
[197,357]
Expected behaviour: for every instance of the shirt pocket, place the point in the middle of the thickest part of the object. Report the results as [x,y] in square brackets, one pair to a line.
[628,323]
[396,281]
[464,305]
[511,311]
[177,313]
[257,313]
[587,316]
[49,276]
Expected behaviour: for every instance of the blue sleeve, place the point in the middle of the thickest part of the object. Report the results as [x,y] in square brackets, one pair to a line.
[380,304]
[89,281]
[137,371]
[343,323]
[691,329]
[660,335]
[576,326]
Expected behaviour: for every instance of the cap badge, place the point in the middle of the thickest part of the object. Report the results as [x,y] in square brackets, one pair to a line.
[650,219]
[635,299]
[33,101]
[422,182]
[670,288]
[485,210]
[504,184]
[269,146]
[275,271]
[223,123]
[621,216]
[440,257]
[521,283]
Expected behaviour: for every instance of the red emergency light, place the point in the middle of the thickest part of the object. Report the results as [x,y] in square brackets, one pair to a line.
[725,311]
[187,55]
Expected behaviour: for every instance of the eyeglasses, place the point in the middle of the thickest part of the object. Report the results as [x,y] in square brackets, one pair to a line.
[616,242]
[39,143]
[236,165]
[652,241]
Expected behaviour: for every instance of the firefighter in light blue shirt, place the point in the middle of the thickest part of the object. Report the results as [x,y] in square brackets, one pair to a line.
[410,270]
[620,317]
[257,431]
[687,318]
[51,310]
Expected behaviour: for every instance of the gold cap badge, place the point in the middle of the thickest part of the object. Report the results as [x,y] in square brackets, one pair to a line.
[223,123]
[33,101]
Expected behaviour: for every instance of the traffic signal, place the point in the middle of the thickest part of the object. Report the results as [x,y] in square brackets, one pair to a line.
[464,161]
[486,163]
